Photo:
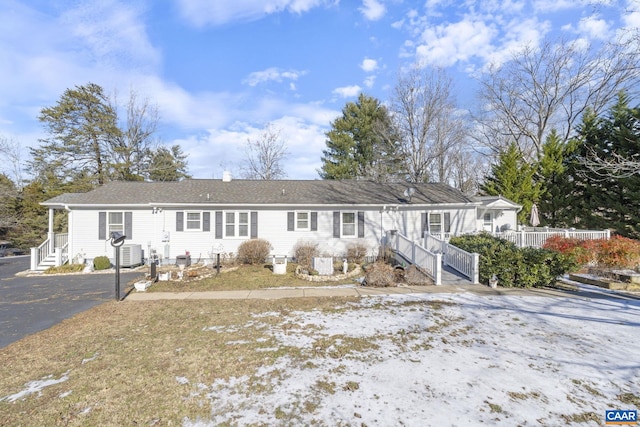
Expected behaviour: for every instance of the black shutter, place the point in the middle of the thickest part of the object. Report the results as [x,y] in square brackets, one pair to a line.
[447,222]
[254,225]
[336,224]
[423,219]
[291,221]
[360,224]
[218,224]
[206,221]
[314,221]
[179,221]
[128,225]
[102,225]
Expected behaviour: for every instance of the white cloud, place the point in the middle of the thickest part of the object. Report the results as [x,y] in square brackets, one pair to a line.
[219,12]
[369,65]
[347,91]
[369,81]
[631,14]
[272,74]
[372,10]
[446,44]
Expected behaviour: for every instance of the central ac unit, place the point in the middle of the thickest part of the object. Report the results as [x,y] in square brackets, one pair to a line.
[131,255]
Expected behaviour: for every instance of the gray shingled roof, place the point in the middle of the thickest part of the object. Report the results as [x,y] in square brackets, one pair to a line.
[253,192]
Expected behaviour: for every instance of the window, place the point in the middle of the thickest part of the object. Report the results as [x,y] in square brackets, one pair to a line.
[230,227]
[488,222]
[116,222]
[348,224]
[193,221]
[435,223]
[302,221]
[237,224]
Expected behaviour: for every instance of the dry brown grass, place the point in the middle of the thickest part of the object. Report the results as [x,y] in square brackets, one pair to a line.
[123,360]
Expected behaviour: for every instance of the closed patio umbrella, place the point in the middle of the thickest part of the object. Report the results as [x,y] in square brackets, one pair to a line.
[534,219]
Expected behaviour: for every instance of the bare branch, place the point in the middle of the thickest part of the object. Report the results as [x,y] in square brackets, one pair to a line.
[264,155]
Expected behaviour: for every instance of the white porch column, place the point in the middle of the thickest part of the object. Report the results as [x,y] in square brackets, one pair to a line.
[50,234]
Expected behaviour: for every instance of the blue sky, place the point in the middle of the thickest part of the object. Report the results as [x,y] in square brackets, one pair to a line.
[220,70]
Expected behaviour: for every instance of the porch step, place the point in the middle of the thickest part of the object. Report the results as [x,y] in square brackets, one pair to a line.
[49,261]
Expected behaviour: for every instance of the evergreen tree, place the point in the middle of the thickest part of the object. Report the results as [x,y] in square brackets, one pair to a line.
[82,130]
[512,177]
[361,144]
[605,200]
[553,180]
[168,164]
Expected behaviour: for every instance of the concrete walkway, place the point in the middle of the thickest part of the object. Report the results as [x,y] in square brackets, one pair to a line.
[337,291]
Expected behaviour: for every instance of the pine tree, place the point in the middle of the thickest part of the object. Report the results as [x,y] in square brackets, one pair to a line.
[512,177]
[361,144]
[606,200]
[553,180]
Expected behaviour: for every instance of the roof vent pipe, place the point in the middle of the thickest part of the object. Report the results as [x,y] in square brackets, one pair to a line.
[226,176]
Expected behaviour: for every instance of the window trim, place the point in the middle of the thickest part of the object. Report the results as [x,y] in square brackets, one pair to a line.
[296,221]
[187,220]
[343,223]
[237,224]
[110,224]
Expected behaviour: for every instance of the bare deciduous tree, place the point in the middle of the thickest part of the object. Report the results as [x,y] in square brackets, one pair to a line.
[132,149]
[11,161]
[264,155]
[550,87]
[427,123]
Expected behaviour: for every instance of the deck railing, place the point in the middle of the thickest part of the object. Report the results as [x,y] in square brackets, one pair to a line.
[428,262]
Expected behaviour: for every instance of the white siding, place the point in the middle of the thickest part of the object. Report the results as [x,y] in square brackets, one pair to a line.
[148,230]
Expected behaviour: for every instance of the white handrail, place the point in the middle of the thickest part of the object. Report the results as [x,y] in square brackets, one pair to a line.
[428,262]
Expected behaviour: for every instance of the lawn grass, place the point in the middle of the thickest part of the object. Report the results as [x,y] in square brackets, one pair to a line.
[121,363]
[245,277]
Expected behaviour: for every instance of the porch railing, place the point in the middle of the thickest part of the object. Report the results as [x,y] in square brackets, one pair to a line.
[466,263]
[60,251]
[428,262]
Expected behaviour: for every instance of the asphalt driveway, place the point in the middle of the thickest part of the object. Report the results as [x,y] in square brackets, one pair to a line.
[30,304]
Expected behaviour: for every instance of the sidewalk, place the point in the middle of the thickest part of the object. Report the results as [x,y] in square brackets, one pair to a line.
[337,291]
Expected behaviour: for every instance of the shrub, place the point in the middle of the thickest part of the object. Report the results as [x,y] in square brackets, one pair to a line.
[415,277]
[304,252]
[618,251]
[101,263]
[514,267]
[356,252]
[380,274]
[254,251]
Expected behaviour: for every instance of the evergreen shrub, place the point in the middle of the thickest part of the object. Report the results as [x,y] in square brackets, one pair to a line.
[514,267]
[101,263]
[254,251]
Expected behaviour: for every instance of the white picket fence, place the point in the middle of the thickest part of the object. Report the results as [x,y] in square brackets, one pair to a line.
[429,262]
[536,237]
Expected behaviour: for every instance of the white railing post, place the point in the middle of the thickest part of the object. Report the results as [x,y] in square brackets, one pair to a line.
[413,252]
[438,269]
[476,269]
[34,259]
[58,255]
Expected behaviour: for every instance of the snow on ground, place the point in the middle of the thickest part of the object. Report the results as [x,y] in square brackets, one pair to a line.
[475,360]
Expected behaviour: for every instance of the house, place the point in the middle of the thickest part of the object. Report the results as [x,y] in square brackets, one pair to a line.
[203,217]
